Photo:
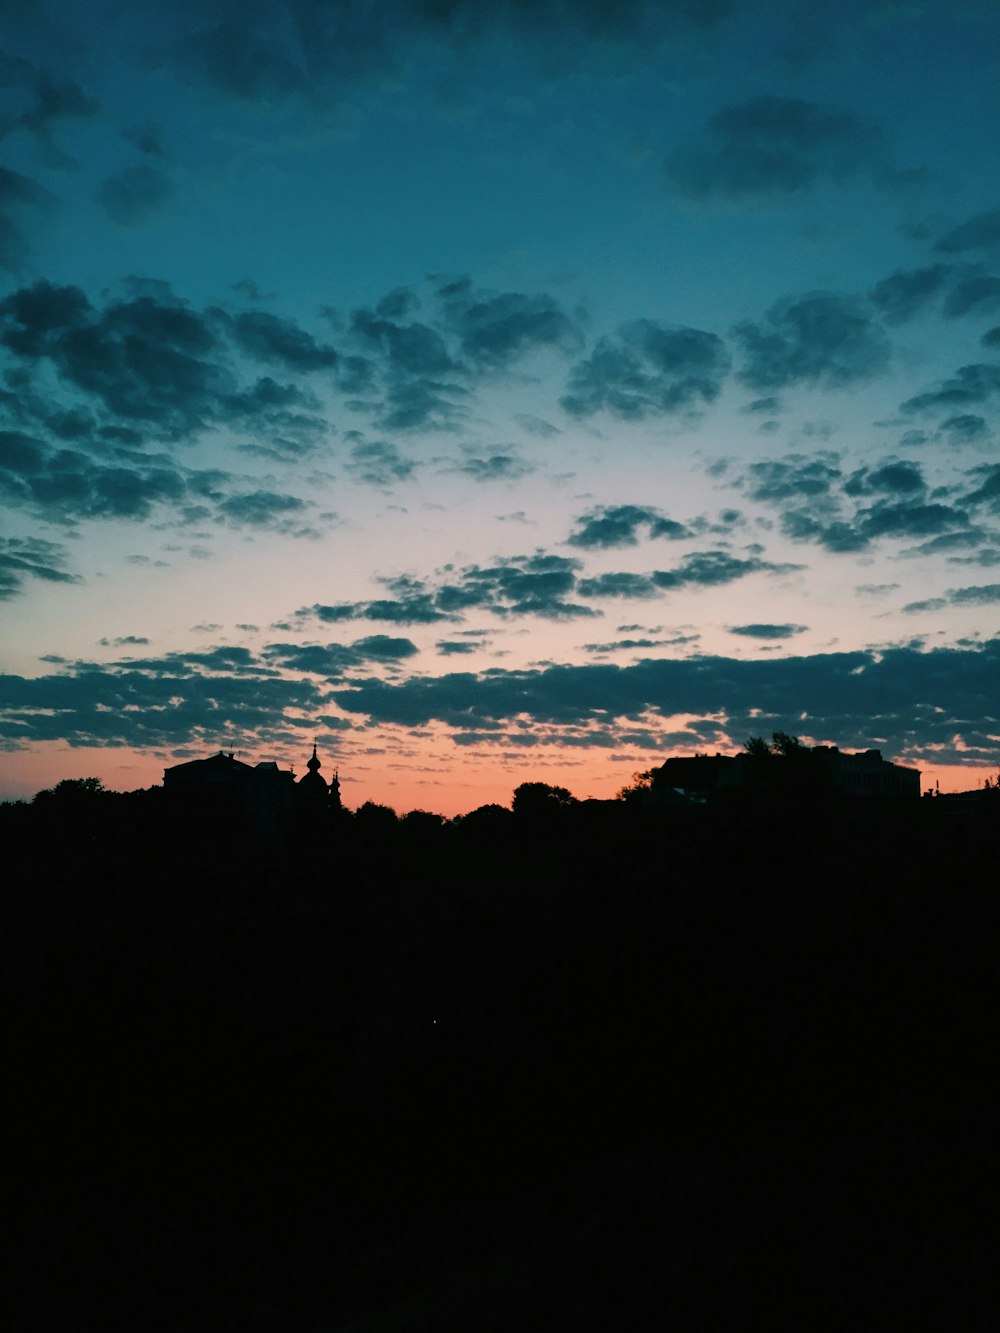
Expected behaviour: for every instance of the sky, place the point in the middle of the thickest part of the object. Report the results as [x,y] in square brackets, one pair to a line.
[497,391]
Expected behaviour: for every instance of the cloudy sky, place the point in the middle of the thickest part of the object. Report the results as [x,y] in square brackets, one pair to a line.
[496,390]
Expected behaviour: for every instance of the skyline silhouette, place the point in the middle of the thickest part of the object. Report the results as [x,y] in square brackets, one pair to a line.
[497,392]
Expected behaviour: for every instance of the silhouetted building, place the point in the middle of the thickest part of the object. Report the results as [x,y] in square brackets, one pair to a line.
[263,792]
[314,787]
[818,770]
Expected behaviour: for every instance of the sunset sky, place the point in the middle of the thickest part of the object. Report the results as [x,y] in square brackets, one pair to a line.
[497,391]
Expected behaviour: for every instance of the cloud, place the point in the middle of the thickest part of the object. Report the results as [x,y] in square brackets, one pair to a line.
[534,585]
[378,463]
[619,525]
[903,698]
[408,349]
[987,490]
[942,702]
[969,386]
[648,369]
[495,467]
[964,428]
[244,64]
[795,476]
[335,659]
[619,585]
[35,101]
[262,509]
[195,699]
[757,631]
[711,568]
[979,294]
[772,146]
[981,595]
[453,647]
[820,339]
[538,426]
[136,196]
[153,361]
[23,558]
[904,294]
[889,478]
[270,338]
[888,500]
[17,193]
[979,232]
[495,330]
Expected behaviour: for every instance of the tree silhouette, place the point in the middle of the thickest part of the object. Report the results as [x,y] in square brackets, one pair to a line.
[540,799]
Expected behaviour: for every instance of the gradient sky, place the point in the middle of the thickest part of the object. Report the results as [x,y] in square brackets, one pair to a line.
[497,391]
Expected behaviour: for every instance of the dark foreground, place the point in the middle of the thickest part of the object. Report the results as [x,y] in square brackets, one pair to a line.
[609,1073]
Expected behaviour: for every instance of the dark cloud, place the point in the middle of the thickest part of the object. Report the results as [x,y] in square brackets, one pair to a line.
[317,54]
[495,467]
[991,338]
[335,659]
[422,404]
[262,509]
[620,525]
[771,146]
[125,641]
[538,426]
[821,339]
[975,234]
[757,631]
[648,369]
[621,645]
[943,701]
[148,360]
[23,558]
[979,295]
[710,568]
[904,697]
[146,139]
[270,338]
[619,585]
[64,484]
[987,489]
[455,647]
[495,330]
[904,294]
[965,428]
[889,478]
[408,349]
[537,585]
[135,196]
[244,64]
[970,385]
[981,595]
[200,700]
[378,463]
[266,413]
[796,476]
[35,101]
[888,500]
[17,193]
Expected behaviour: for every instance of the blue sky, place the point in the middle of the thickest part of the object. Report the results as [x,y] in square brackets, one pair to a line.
[497,391]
